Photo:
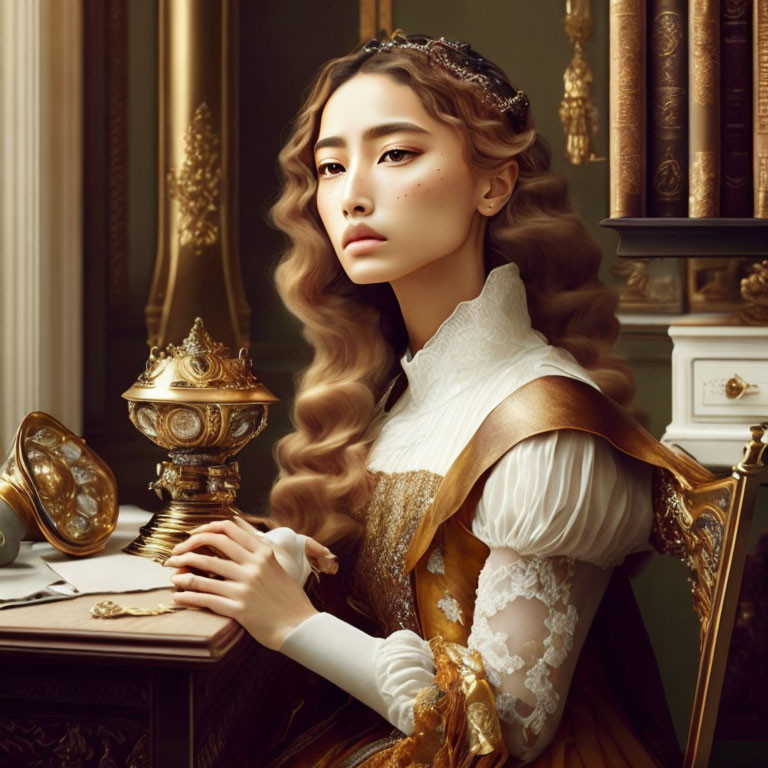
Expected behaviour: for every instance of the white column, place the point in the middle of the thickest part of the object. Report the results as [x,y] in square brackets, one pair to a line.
[40,212]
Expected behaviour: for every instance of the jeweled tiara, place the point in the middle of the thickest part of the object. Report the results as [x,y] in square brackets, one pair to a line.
[464,63]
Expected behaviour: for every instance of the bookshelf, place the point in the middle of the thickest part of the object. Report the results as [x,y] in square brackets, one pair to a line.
[642,238]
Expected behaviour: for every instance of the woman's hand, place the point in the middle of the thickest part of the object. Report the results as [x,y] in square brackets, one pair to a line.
[252,587]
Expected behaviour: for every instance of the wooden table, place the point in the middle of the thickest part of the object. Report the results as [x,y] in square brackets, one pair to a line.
[182,689]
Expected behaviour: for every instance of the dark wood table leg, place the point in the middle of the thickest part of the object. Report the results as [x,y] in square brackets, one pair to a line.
[172,718]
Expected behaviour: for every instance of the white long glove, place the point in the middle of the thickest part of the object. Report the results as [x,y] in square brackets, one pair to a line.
[383,673]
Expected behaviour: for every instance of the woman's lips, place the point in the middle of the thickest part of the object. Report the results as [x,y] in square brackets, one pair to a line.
[364,245]
[360,232]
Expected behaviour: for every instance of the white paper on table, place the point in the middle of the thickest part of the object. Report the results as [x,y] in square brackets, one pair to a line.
[41,572]
[27,575]
[113,570]
[114,573]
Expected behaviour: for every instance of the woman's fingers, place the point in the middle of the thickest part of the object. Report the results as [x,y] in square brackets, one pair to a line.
[237,530]
[246,526]
[216,565]
[320,556]
[194,582]
[215,603]
[220,541]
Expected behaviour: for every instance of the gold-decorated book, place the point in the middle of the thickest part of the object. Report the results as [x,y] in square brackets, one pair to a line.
[668,108]
[760,113]
[736,108]
[704,108]
[627,107]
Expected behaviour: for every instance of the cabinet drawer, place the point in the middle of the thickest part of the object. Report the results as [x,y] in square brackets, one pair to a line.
[745,380]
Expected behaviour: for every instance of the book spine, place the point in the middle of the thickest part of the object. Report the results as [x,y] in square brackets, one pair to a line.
[760,110]
[704,108]
[668,109]
[736,108]
[627,107]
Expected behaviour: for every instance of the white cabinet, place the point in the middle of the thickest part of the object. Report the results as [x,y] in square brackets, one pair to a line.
[719,387]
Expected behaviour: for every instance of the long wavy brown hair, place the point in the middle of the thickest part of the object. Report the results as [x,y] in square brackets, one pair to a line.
[357,332]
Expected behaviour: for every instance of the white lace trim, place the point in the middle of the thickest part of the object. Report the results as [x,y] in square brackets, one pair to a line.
[436,564]
[450,607]
[547,580]
[494,324]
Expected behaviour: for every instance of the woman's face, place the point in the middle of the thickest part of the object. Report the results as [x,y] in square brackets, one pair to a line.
[394,191]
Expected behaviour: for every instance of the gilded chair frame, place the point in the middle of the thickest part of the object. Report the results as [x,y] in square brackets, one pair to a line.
[707,526]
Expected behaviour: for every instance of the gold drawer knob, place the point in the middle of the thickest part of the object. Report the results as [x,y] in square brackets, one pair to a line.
[736,388]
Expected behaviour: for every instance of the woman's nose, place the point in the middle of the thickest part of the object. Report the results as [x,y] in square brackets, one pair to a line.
[357,199]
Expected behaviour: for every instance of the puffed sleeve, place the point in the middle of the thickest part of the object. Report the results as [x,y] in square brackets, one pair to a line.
[566,493]
[557,512]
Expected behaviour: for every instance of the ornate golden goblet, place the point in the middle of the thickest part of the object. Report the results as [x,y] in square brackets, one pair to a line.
[202,406]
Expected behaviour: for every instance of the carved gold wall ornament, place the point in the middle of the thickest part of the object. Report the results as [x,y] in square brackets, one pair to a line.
[202,406]
[60,489]
[713,283]
[650,285]
[196,187]
[197,266]
[578,112]
[754,292]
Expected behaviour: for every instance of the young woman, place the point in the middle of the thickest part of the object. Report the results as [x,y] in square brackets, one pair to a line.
[438,269]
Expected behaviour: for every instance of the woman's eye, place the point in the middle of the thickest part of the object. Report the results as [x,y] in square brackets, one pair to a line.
[329,169]
[396,155]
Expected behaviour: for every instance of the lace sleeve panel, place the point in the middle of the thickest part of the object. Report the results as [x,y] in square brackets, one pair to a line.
[531,618]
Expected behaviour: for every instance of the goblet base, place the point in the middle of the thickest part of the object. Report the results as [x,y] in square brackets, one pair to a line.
[171,525]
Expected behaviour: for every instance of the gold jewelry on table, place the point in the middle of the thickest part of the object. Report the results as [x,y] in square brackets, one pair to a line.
[107,609]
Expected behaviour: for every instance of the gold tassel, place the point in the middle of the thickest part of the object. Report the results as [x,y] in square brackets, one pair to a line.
[455,720]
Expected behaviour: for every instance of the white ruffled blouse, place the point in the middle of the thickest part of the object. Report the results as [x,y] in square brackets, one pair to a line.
[557,512]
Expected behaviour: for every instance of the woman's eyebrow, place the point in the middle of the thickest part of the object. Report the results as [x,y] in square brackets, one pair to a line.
[375,132]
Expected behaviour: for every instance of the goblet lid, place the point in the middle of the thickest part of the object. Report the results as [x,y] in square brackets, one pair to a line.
[200,370]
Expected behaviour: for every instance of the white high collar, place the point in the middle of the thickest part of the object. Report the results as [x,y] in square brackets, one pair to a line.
[481,354]
[478,335]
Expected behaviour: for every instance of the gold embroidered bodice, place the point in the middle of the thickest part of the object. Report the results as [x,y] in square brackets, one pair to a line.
[390,519]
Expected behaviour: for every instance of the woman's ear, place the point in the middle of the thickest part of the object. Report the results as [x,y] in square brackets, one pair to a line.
[498,189]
